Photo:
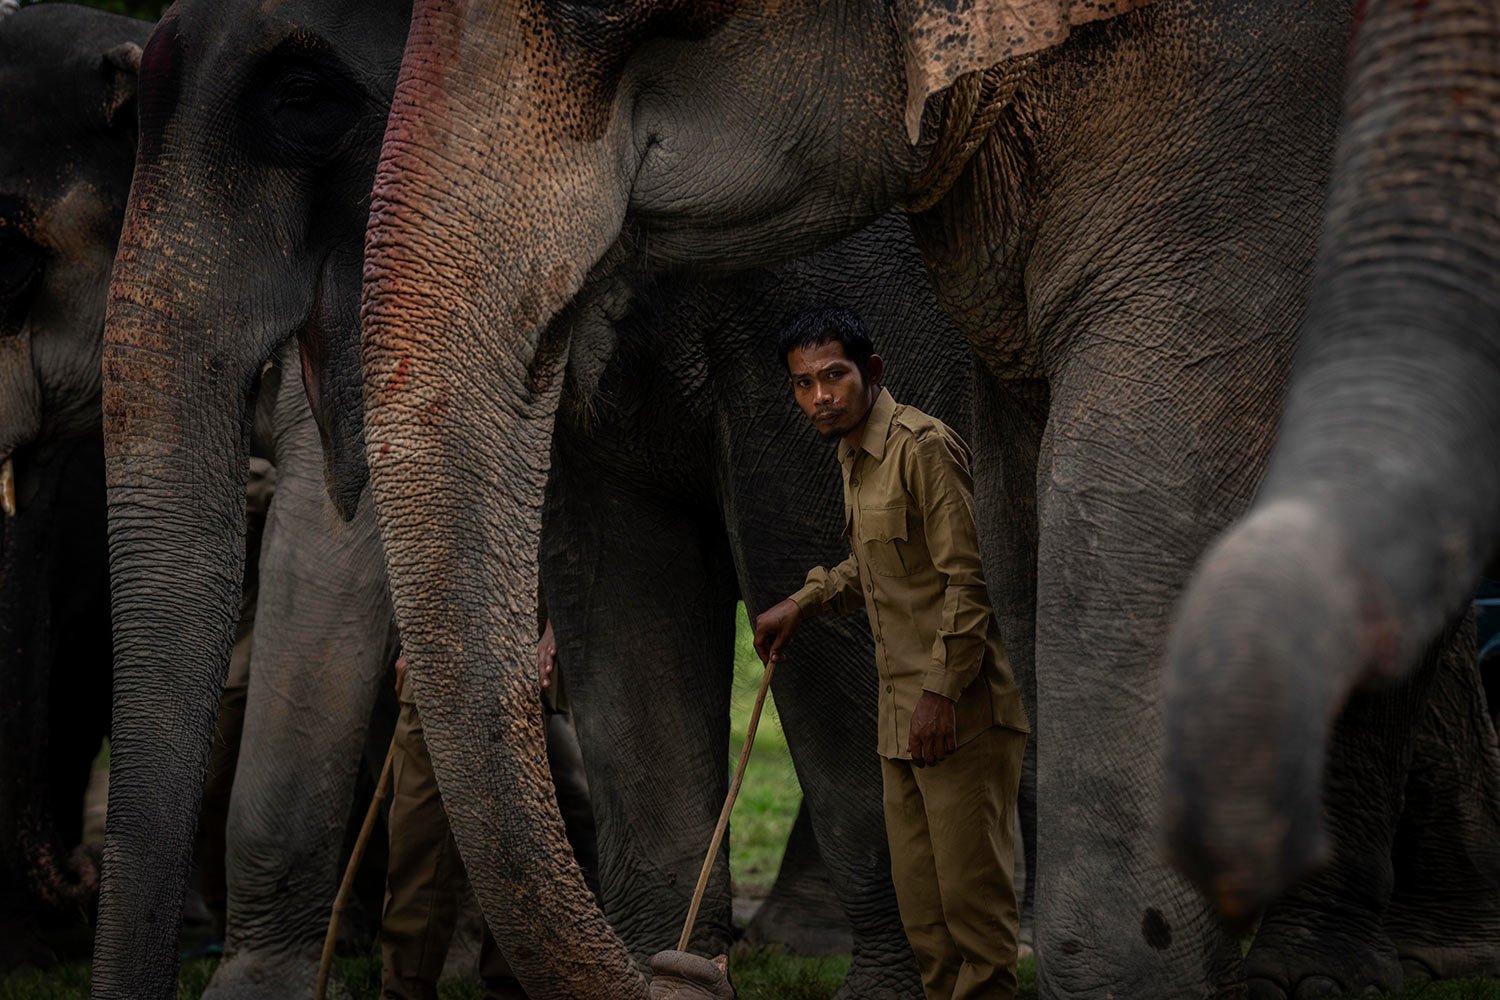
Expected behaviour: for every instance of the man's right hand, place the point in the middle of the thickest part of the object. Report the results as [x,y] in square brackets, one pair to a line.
[774,628]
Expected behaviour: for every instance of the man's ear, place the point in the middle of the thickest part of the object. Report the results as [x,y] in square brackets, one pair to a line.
[122,71]
[875,369]
[947,38]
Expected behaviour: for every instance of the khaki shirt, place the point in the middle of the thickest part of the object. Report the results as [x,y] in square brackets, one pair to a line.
[914,564]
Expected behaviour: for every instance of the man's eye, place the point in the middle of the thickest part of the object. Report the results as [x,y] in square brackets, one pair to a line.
[835,375]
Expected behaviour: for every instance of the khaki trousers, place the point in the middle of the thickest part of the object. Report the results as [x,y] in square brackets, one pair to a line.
[952,836]
[424,881]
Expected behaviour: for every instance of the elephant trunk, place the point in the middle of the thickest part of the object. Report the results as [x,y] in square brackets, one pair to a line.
[1380,504]
[176,398]
[54,690]
[473,248]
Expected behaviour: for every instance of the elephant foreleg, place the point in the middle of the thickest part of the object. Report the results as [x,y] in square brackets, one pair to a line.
[1009,418]
[322,647]
[641,598]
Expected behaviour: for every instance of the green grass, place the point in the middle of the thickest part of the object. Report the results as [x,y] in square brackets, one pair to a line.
[770,796]
[762,818]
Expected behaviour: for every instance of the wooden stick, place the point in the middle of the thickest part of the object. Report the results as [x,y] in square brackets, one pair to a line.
[734,791]
[382,786]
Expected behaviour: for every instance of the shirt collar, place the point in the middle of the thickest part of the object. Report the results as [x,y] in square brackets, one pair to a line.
[877,429]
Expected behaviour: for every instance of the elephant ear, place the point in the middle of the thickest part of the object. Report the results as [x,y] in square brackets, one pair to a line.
[947,38]
[122,70]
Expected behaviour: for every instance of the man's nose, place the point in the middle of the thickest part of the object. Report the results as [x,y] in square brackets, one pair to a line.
[821,393]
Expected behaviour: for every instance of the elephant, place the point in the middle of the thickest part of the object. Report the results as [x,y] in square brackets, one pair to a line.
[309,287]
[1378,511]
[1121,216]
[67,98]
[67,92]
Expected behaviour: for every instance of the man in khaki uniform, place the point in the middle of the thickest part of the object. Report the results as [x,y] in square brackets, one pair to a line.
[952,729]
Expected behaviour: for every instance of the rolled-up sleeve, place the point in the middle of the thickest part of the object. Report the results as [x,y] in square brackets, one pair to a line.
[831,591]
[943,488]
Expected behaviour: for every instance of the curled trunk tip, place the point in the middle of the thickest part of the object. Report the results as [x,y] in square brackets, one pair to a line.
[1269,642]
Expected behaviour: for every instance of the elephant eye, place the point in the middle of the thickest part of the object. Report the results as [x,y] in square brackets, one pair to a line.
[20,264]
[304,107]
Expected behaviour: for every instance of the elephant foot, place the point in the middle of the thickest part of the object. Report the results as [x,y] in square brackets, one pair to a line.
[1442,934]
[812,927]
[677,975]
[254,975]
[894,980]
[1302,954]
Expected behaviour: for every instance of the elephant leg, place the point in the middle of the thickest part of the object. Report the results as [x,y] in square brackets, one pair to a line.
[1119,526]
[1444,916]
[323,647]
[825,693]
[223,761]
[1324,937]
[1010,417]
[802,912]
[571,783]
[642,601]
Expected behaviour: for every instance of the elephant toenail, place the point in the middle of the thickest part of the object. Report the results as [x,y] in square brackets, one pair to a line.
[1318,988]
[1265,989]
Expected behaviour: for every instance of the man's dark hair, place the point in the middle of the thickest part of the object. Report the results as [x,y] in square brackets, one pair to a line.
[828,325]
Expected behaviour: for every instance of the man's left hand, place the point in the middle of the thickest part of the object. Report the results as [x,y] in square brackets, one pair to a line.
[934,730]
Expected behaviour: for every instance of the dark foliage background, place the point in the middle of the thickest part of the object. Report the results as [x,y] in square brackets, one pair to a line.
[149,9]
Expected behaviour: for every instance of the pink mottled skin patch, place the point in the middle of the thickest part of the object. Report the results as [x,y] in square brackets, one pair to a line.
[400,377]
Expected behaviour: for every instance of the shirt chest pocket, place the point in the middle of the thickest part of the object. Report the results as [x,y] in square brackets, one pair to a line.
[884,540]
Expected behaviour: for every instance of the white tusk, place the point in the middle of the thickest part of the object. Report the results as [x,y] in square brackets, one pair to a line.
[8,487]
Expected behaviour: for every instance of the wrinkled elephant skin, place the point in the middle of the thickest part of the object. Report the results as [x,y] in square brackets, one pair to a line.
[1378,513]
[676,975]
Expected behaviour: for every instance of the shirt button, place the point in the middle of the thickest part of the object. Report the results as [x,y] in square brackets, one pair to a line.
[854,481]
[889,688]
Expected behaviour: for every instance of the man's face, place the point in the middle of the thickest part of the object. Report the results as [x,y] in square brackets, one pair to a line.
[829,388]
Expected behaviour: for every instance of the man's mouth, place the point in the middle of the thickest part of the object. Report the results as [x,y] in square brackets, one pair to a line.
[824,415]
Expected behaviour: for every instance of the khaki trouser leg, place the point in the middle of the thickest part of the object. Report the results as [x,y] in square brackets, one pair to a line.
[952,841]
[425,877]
